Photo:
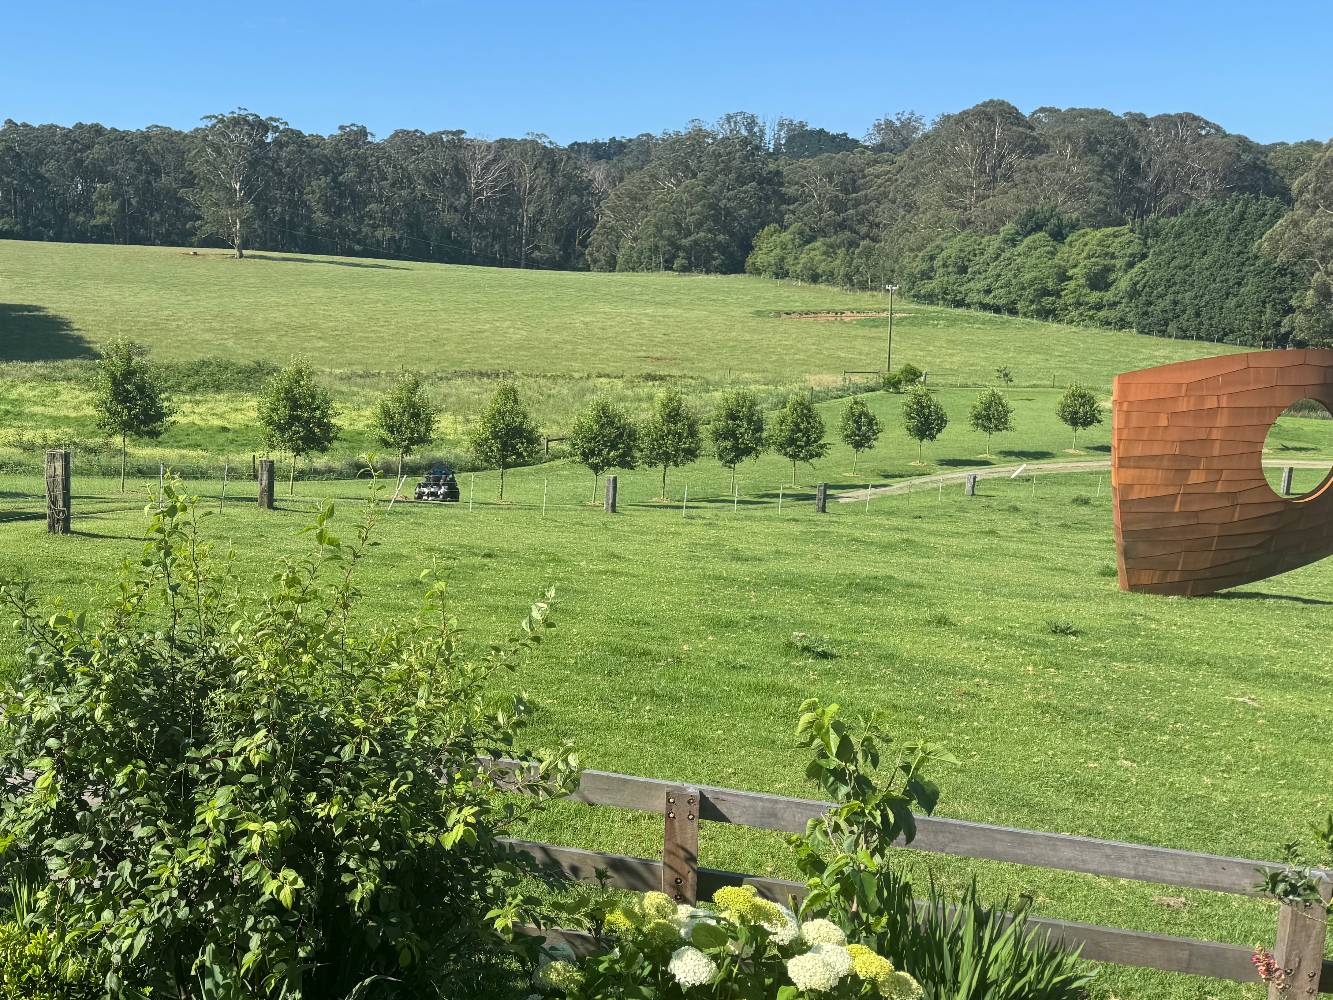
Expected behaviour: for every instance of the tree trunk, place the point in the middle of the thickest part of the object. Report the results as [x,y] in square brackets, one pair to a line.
[664,475]
[855,453]
[988,444]
[793,472]
[594,488]
[502,482]
[291,478]
[124,448]
[400,466]
[733,479]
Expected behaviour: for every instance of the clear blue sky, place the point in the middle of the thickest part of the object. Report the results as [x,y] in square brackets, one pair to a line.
[576,69]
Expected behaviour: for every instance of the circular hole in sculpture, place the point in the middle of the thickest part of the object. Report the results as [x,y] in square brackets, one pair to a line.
[1298,452]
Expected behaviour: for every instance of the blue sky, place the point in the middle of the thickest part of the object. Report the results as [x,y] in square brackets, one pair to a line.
[575,69]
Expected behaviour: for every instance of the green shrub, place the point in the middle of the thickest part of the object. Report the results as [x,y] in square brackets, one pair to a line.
[893,382]
[1061,626]
[910,374]
[32,968]
[252,798]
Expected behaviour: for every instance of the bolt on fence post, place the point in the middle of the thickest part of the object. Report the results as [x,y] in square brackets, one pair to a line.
[1302,928]
[57,492]
[680,844]
[1286,480]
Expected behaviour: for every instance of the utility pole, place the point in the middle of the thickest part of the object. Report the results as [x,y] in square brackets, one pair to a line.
[888,352]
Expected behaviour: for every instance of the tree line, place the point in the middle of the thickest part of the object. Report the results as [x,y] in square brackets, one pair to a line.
[299,418]
[1076,214]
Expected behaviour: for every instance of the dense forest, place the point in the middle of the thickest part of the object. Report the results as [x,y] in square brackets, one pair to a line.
[1167,224]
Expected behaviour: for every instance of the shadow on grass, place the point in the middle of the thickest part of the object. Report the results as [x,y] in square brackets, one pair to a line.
[335,263]
[963,463]
[1104,449]
[34,333]
[1026,456]
[1258,595]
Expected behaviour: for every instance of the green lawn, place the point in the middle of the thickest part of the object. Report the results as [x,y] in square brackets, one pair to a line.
[1163,721]
[356,315]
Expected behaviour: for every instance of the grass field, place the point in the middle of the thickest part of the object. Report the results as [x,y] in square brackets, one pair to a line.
[1162,721]
[1171,722]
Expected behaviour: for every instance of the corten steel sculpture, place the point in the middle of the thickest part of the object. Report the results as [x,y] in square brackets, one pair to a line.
[1193,511]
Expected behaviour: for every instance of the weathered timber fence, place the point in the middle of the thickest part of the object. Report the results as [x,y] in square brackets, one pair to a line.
[1300,934]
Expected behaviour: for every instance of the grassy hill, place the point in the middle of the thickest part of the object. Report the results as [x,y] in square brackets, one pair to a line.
[63,300]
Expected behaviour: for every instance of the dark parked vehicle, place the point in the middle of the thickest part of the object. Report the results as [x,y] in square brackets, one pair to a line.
[439,485]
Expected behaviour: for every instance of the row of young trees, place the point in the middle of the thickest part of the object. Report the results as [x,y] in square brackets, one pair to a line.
[299,418]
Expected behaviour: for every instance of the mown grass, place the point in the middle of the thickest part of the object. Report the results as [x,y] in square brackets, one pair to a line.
[1185,723]
[350,315]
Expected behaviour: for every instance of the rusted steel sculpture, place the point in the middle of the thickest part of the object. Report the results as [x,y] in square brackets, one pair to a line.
[1193,511]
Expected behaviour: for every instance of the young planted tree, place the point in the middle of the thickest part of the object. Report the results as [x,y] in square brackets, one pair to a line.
[859,428]
[736,430]
[130,399]
[1078,409]
[404,419]
[923,418]
[297,415]
[505,435]
[671,437]
[991,413]
[604,438]
[798,432]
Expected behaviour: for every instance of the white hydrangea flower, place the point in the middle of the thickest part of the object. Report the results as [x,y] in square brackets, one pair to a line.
[785,931]
[811,973]
[838,958]
[691,967]
[821,931]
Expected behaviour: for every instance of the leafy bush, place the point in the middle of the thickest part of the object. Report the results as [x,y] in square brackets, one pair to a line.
[1062,626]
[910,374]
[892,382]
[256,798]
[741,946]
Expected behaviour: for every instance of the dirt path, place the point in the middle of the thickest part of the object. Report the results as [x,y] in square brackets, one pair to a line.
[1035,468]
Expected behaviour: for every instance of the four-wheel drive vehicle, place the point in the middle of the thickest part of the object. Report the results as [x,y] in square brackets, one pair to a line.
[440,485]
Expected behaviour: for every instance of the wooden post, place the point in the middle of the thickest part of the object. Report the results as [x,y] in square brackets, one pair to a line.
[1286,480]
[680,845]
[971,488]
[266,484]
[57,492]
[1299,951]
[821,498]
[609,501]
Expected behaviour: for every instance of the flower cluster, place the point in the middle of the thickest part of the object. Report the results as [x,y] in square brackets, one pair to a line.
[742,941]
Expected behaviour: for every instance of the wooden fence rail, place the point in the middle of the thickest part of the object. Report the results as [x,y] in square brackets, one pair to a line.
[1300,933]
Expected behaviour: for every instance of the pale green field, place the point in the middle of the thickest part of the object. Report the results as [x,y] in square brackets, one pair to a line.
[365,315]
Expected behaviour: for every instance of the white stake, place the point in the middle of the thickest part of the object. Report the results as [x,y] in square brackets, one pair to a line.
[735,499]
[222,501]
[1034,486]
[398,491]
[684,500]
[161,477]
[472,488]
[868,486]
[779,499]
[1099,485]
[546,485]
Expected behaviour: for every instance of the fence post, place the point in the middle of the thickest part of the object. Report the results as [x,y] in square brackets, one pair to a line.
[680,845]
[1299,951]
[971,488]
[821,498]
[57,492]
[266,484]
[1286,480]
[609,500]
